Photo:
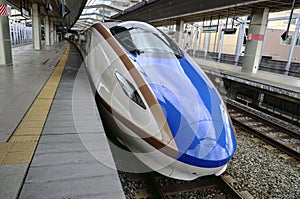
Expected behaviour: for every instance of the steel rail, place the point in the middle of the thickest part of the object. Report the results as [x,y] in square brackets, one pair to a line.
[263,136]
[154,190]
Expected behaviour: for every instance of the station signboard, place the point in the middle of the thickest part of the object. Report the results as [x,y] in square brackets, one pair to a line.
[24,7]
[212,28]
[25,13]
[229,31]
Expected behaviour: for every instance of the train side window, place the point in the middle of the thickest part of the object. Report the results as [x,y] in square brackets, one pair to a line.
[130,90]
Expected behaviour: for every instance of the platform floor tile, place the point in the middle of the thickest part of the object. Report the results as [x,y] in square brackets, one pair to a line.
[73,159]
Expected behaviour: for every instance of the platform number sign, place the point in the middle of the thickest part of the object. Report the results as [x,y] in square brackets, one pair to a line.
[3,10]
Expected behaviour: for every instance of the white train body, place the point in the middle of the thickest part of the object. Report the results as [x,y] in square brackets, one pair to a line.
[154,99]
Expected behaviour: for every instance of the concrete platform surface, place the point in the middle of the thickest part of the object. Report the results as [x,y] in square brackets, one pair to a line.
[63,153]
[273,82]
[20,83]
[73,159]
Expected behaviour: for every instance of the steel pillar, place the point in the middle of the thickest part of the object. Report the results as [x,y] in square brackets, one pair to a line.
[195,41]
[221,46]
[5,44]
[207,39]
[239,43]
[254,44]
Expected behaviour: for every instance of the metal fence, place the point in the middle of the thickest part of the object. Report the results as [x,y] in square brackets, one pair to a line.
[20,33]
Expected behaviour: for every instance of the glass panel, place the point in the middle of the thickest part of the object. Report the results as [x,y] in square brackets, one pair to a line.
[139,37]
[130,91]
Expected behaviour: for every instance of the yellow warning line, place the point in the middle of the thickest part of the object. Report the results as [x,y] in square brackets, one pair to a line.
[21,146]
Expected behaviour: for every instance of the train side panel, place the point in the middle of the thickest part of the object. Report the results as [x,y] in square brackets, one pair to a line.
[103,64]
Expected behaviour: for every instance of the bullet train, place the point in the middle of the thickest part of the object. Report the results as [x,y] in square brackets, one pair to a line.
[169,114]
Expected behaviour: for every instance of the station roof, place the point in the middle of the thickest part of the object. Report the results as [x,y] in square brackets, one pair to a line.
[159,12]
[75,8]
[102,10]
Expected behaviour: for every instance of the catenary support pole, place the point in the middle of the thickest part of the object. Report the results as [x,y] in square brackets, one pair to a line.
[293,45]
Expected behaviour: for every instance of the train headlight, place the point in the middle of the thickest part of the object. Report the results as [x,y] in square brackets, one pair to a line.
[130,90]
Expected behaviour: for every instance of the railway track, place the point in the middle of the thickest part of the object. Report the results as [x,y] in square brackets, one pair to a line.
[275,135]
[160,187]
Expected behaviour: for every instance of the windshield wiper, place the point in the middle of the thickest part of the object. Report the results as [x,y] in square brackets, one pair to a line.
[136,51]
[178,55]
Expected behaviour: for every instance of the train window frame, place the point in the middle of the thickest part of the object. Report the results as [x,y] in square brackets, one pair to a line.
[130,91]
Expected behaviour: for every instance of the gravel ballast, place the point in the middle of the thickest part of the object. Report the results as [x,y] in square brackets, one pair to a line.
[262,172]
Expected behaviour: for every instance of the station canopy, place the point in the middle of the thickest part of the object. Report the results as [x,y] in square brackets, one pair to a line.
[96,11]
[51,8]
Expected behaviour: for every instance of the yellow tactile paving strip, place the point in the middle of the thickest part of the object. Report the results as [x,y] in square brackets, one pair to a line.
[21,146]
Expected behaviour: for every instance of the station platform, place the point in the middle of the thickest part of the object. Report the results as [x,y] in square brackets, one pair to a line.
[273,82]
[52,142]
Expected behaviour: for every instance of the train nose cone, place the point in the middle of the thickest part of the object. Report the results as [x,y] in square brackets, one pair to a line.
[206,143]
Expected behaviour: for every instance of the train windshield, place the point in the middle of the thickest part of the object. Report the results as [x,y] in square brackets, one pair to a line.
[141,38]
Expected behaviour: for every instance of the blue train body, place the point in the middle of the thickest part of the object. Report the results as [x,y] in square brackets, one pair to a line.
[193,108]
